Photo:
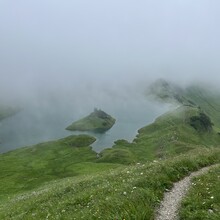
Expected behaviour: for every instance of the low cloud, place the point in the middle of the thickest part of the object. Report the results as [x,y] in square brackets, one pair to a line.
[74,48]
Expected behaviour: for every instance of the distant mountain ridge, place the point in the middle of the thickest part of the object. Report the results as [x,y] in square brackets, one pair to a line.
[165,91]
[205,98]
[193,122]
[6,111]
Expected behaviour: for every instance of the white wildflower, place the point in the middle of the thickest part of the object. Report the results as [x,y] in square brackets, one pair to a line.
[210,211]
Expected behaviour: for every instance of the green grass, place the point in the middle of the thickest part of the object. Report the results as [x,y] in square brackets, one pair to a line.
[203,199]
[133,192]
[207,99]
[27,168]
[97,121]
[170,135]
[64,179]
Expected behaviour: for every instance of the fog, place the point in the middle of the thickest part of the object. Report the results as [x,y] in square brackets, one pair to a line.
[63,58]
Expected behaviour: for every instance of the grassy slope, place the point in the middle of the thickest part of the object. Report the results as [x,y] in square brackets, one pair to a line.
[208,100]
[164,91]
[203,199]
[124,193]
[27,168]
[92,122]
[169,135]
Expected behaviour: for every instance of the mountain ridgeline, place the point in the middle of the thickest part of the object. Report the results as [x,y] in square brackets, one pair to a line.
[194,97]
[166,92]
[193,122]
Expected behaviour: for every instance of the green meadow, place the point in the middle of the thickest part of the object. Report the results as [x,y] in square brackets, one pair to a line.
[66,179]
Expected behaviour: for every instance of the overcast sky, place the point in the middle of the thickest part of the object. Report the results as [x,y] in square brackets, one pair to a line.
[71,43]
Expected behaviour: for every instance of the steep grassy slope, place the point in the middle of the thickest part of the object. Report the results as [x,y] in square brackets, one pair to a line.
[169,135]
[207,99]
[29,167]
[164,91]
[64,179]
[194,123]
[124,193]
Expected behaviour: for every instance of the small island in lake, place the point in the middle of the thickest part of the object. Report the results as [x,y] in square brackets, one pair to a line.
[97,121]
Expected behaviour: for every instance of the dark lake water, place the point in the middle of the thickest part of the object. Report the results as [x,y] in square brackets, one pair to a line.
[37,124]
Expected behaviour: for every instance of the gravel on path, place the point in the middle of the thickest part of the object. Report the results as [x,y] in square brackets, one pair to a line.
[169,207]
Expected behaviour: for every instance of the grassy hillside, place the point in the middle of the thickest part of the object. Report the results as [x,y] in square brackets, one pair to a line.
[193,124]
[27,168]
[207,99]
[164,91]
[97,121]
[203,199]
[204,97]
[169,135]
[133,192]
[66,179]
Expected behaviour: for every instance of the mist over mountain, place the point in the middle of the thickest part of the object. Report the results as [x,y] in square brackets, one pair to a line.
[72,48]
[60,60]
[136,84]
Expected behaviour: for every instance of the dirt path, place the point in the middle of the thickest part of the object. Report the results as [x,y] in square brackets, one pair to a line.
[168,209]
